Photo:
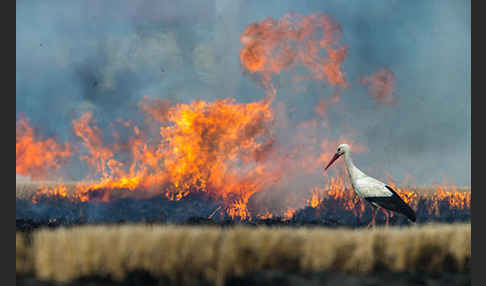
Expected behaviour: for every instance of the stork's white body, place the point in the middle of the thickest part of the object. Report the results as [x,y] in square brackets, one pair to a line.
[364,185]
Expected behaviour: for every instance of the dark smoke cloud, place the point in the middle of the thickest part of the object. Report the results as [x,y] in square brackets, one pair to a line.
[104,56]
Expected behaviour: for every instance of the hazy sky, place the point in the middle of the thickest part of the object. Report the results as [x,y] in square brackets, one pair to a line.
[74,56]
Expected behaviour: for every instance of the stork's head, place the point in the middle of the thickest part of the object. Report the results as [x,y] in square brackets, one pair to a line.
[341,150]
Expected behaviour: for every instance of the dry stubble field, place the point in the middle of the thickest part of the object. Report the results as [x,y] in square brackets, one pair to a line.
[209,255]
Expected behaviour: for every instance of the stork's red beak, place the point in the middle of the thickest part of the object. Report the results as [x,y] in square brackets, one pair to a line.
[337,155]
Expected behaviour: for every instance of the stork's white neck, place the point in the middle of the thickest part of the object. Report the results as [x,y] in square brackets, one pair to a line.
[353,172]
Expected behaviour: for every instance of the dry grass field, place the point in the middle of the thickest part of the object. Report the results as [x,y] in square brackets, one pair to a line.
[186,255]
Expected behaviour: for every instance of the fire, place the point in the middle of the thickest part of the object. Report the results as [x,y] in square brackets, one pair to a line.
[91,136]
[239,209]
[289,213]
[266,215]
[381,85]
[217,148]
[58,192]
[337,195]
[223,149]
[312,41]
[101,158]
[36,157]
[409,197]
[316,198]
[451,197]
[177,196]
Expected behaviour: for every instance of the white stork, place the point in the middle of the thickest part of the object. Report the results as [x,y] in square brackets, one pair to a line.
[378,194]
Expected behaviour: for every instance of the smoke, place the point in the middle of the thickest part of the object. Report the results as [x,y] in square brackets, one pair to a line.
[381,86]
[105,56]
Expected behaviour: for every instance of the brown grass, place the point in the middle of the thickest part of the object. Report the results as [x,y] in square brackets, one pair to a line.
[187,254]
[23,261]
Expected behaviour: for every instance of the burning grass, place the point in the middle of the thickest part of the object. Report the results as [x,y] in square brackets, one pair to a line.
[220,148]
[26,189]
[37,157]
[436,202]
[186,255]
[334,204]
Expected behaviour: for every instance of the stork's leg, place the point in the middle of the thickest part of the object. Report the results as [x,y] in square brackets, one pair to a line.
[373,216]
[387,216]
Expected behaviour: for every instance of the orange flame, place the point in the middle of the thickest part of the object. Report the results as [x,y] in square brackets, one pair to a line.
[342,197]
[217,148]
[270,47]
[36,158]
[266,215]
[289,213]
[453,199]
[346,199]
[59,191]
[91,136]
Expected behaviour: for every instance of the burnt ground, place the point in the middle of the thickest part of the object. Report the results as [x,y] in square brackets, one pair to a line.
[279,278]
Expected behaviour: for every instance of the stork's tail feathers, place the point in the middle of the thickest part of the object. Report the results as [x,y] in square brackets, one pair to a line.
[403,207]
[408,211]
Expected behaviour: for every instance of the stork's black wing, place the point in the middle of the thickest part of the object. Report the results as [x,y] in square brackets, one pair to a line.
[393,203]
